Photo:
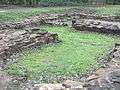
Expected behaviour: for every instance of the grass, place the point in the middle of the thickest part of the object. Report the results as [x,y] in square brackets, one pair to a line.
[77,53]
[108,10]
[13,15]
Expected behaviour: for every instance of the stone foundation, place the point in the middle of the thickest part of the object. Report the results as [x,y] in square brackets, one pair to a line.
[95,17]
[50,19]
[97,26]
[54,19]
[15,41]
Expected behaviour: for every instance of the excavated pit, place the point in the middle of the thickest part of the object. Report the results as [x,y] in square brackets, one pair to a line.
[15,41]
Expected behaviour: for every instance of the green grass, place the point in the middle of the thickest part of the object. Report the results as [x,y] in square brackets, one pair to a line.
[108,10]
[20,14]
[77,53]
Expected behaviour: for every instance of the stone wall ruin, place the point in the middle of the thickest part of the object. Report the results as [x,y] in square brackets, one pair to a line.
[50,19]
[15,41]
[95,17]
[54,19]
[97,26]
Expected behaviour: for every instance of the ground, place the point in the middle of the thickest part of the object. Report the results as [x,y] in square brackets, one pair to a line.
[77,53]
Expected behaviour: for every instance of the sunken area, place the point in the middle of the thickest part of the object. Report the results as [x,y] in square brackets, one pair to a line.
[74,51]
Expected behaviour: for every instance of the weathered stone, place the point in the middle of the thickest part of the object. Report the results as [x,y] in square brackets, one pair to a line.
[95,17]
[35,29]
[15,41]
[4,79]
[42,32]
[72,84]
[52,87]
[114,76]
[97,26]
[92,77]
[116,54]
[117,44]
[52,19]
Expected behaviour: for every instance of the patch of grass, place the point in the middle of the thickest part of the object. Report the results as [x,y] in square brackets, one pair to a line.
[20,14]
[77,53]
[108,10]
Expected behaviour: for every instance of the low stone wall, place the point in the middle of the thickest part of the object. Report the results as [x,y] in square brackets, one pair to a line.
[15,41]
[97,26]
[95,17]
[54,19]
[51,19]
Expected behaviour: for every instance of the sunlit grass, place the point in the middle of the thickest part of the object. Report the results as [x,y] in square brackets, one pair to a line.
[77,53]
